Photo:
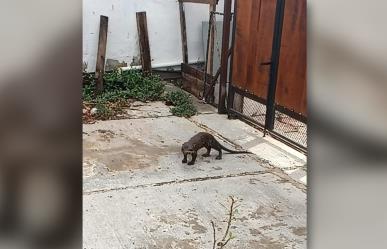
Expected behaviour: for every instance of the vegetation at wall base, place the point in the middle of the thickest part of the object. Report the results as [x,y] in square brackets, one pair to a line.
[121,88]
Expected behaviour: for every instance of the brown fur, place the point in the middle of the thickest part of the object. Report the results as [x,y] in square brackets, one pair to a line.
[204,140]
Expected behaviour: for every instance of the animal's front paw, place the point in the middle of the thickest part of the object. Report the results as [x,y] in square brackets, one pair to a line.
[218,157]
[191,163]
[184,161]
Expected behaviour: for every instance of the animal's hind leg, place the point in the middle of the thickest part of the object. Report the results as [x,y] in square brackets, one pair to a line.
[207,154]
[219,155]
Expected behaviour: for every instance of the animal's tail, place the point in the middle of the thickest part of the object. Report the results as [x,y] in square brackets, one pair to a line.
[234,151]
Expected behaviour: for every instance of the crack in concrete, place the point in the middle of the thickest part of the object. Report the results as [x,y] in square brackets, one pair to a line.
[302,167]
[148,117]
[197,179]
[159,116]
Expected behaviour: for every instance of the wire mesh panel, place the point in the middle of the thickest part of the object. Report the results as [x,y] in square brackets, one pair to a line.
[290,128]
[254,110]
[284,125]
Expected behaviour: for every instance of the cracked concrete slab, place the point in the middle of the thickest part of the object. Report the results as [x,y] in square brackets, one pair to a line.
[271,215]
[121,153]
[138,194]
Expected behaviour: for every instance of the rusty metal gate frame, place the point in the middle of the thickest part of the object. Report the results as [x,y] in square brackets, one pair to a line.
[270,104]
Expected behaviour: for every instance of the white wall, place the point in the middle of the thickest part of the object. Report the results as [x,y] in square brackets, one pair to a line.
[163,27]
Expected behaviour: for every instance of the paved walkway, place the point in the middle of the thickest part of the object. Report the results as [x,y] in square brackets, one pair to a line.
[138,194]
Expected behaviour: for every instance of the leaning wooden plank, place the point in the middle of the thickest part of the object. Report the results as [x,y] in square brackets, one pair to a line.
[210,53]
[183,32]
[101,54]
[142,29]
[212,2]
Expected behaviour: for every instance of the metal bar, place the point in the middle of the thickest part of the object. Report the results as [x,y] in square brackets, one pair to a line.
[224,58]
[275,54]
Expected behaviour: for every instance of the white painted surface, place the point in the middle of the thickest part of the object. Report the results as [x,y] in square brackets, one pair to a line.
[163,27]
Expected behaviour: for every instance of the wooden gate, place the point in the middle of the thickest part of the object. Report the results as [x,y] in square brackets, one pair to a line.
[268,61]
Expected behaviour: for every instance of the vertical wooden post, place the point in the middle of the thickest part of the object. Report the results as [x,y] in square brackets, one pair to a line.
[210,58]
[224,57]
[101,54]
[210,52]
[142,29]
[183,32]
[235,100]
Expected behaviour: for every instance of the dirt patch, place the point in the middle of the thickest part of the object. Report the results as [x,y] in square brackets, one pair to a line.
[258,213]
[105,135]
[193,223]
[133,154]
[168,219]
[299,231]
[170,242]
[266,243]
[198,229]
[271,226]
[254,232]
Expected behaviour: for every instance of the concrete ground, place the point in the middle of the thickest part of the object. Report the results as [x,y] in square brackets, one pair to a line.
[138,194]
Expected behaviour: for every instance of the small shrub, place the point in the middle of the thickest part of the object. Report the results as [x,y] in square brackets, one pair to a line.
[103,111]
[119,86]
[183,106]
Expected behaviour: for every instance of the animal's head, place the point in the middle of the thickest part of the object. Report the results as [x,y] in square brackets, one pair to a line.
[186,148]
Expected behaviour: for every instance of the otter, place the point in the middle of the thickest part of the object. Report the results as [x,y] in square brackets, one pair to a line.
[206,140]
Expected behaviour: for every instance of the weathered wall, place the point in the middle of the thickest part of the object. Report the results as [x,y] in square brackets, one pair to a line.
[163,25]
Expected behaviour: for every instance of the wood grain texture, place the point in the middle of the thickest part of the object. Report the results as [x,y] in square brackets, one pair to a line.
[183,30]
[258,76]
[253,46]
[291,85]
[192,85]
[142,29]
[210,58]
[193,79]
[253,43]
[242,41]
[101,53]
[210,55]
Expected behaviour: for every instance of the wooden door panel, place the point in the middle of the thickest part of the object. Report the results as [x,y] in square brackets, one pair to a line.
[255,21]
[258,82]
[242,39]
[291,85]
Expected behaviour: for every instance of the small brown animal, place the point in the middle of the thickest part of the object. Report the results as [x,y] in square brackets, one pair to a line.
[206,140]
